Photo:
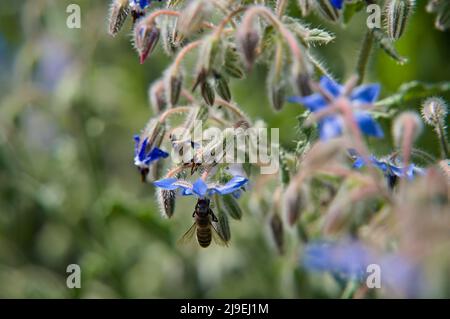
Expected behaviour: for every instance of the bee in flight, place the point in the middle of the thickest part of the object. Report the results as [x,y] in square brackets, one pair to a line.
[204,226]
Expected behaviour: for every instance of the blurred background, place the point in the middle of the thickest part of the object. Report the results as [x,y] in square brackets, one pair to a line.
[70,102]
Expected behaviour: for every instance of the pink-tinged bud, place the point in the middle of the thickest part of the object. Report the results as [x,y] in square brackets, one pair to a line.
[146,37]
[248,43]
[407,125]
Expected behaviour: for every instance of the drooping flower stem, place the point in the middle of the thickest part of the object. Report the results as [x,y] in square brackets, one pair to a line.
[176,110]
[234,109]
[290,39]
[364,55]
[183,52]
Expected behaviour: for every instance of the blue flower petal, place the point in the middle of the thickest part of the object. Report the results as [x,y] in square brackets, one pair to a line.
[167,183]
[329,127]
[154,155]
[368,125]
[329,85]
[233,185]
[141,154]
[200,188]
[312,102]
[337,3]
[366,94]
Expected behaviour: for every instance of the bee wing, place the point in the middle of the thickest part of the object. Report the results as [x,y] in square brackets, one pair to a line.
[189,235]
[217,237]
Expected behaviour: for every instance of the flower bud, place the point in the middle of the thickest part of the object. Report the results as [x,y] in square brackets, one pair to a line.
[398,13]
[294,202]
[407,125]
[166,200]
[173,82]
[222,87]
[248,42]
[328,11]
[146,37]
[277,230]
[117,15]
[443,17]
[157,97]
[231,206]
[192,17]
[208,93]
[434,111]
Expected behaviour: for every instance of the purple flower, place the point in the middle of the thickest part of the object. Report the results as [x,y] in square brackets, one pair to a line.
[200,188]
[331,125]
[145,154]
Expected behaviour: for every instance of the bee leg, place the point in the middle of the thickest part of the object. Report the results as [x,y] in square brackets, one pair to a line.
[193,214]
[214,218]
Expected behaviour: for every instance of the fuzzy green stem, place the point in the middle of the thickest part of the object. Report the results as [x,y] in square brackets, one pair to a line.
[442,139]
[364,55]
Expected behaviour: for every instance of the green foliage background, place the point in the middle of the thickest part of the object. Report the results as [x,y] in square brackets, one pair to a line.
[69,192]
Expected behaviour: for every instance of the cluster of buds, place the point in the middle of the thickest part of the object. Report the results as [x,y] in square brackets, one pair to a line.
[228,41]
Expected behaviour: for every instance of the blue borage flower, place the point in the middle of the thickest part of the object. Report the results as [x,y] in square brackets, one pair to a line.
[388,167]
[200,188]
[144,154]
[337,3]
[141,3]
[332,125]
[349,259]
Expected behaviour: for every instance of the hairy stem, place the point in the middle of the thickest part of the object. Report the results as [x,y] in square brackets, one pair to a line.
[364,55]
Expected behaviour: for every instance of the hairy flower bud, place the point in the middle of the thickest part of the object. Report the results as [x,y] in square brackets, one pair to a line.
[434,110]
[117,15]
[222,87]
[192,16]
[157,97]
[166,200]
[443,18]
[398,13]
[407,125]
[248,42]
[277,230]
[294,202]
[146,37]
[173,83]
[208,92]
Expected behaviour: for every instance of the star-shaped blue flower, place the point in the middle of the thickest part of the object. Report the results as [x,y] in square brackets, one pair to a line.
[331,125]
[200,188]
[144,154]
[391,170]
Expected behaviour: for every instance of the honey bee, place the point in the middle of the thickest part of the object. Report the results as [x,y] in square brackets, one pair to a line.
[204,226]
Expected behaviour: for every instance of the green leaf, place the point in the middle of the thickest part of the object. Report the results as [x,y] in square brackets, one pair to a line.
[414,90]
[231,206]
